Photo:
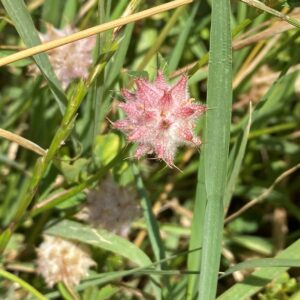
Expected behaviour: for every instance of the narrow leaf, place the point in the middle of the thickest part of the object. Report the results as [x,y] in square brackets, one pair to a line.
[217,132]
[99,238]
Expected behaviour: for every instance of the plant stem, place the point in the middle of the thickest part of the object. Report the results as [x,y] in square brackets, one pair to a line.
[22,283]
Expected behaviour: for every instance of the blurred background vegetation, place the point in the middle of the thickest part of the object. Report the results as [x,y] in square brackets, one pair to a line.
[266,73]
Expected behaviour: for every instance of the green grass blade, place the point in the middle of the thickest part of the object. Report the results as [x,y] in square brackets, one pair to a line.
[99,238]
[263,263]
[237,156]
[52,12]
[197,231]
[22,20]
[182,39]
[120,56]
[161,38]
[69,12]
[153,228]
[217,133]
[258,279]
[152,225]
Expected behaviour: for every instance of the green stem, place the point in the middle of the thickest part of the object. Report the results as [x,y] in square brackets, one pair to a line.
[22,283]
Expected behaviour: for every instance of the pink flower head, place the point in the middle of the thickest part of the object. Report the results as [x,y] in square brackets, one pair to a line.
[160,117]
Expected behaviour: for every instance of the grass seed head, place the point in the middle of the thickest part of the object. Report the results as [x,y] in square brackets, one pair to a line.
[60,260]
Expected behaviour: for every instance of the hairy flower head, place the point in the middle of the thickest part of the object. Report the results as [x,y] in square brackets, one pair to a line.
[70,61]
[60,260]
[111,207]
[160,117]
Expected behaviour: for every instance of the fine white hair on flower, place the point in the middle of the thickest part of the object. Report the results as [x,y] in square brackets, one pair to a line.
[111,207]
[60,260]
[70,61]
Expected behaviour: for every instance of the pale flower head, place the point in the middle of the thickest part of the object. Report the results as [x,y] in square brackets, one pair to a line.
[61,260]
[70,61]
[111,207]
[160,117]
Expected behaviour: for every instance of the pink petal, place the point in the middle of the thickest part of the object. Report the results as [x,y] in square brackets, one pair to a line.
[141,150]
[146,92]
[136,135]
[199,109]
[127,95]
[189,110]
[166,100]
[160,81]
[186,134]
[122,124]
[185,112]
[131,110]
[180,90]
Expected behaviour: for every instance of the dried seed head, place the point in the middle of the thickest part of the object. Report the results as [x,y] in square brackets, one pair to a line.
[111,207]
[60,260]
[160,117]
[70,61]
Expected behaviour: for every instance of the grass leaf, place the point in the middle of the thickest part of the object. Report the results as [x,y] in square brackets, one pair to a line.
[258,279]
[217,132]
[99,238]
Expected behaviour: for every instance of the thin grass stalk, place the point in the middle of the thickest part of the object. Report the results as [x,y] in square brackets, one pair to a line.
[152,225]
[98,86]
[197,231]
[261,6]
[22,141]
[22,283]
[216,148]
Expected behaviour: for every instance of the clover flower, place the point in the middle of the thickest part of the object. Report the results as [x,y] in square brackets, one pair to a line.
[160,117]
[60,260]
[110,207]
[70,61]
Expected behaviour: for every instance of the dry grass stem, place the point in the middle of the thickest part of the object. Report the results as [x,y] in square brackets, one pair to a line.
[261,6]
[277,28]
[92,31]
[264,195]
[245,71]
[22,142]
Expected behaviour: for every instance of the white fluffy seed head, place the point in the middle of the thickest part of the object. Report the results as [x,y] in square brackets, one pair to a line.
[70,61]
[60,260]
[111,207]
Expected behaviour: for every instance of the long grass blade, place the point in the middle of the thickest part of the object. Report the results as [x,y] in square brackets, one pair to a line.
[237,155]
[216,146]
[258,279]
